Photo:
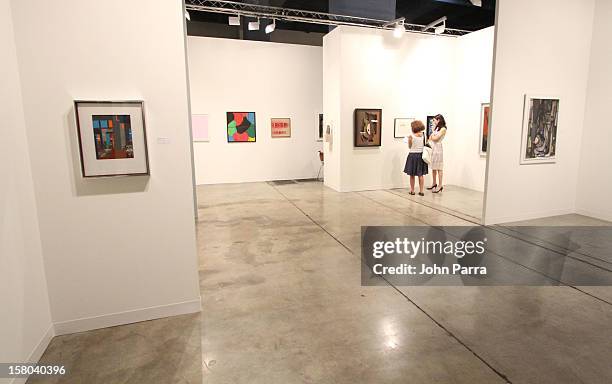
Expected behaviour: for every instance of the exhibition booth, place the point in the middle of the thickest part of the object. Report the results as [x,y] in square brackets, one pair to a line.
[112,129]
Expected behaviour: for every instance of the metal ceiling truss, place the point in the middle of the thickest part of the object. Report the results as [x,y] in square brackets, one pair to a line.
[235,8]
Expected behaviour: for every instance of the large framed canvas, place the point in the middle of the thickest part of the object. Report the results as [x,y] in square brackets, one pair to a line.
[112,138]
[429,126]
[485,116]
[539,138]
[402,127]
[368,127]
[280,127]
[199,127]
[319,132]
[241,127]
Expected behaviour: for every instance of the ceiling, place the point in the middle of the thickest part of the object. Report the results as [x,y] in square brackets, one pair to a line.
[461,14]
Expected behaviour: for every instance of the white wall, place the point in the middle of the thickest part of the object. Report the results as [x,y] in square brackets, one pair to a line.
[542,47]
[26,320]
[464,166]
[116,250]
[414,76]
[594,182]
[270,79]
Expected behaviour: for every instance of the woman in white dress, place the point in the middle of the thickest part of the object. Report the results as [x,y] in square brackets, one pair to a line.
[437,154]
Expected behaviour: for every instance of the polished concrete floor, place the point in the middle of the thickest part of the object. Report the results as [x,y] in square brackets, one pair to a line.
[283,303]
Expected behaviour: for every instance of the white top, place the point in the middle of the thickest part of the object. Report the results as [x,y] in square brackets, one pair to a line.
[417,143]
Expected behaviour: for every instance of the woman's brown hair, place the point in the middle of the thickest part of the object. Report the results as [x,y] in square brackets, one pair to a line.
[417,126]
[441,121]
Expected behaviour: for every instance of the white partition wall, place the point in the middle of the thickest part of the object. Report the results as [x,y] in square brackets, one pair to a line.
[116,250]
[274,81]
[414,76]
[542,48]
[594,176]
[25,316]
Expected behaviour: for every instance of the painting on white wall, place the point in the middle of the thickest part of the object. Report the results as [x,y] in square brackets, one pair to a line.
[539,139]
[199,124]
[485,116]
[319,131]
[402,127]
[112,138]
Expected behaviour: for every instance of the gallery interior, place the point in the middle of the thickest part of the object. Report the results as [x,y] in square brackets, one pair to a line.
[213,167]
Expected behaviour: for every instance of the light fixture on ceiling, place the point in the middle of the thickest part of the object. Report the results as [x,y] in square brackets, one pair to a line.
[271,27]
[439,26]
[399,30]
[476,3]
[254,25]
[187,16]
[398,26]
[234,20]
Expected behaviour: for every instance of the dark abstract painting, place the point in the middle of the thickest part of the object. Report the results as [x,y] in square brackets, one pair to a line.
[485,112]
[368,127]
[540,130]
[241,127]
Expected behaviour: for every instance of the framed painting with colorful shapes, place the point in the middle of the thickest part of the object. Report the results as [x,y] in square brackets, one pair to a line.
[112,138]
[241,127]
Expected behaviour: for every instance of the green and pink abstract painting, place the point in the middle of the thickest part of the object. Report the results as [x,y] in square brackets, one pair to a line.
[241,127]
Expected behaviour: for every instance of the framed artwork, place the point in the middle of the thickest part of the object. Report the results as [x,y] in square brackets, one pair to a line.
[320,128]
[241,127]
[429,126]
[485,114]
[199,127]
[281,127]
[112,138]
[402,128]
[368,127]
[539,138]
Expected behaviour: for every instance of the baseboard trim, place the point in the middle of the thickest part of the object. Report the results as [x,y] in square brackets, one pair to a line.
[596,215]
[37,352]
[127,317]
[528,216]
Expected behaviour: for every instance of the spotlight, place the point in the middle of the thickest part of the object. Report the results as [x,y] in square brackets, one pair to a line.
[234,20]
[187,16]
[254,25]
[271,27]
[399,30]
[439,26]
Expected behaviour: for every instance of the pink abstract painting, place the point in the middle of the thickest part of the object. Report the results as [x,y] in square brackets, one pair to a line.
[200,127]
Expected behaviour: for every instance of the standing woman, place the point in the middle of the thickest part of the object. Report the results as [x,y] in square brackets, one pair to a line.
[437,155]
[415,166]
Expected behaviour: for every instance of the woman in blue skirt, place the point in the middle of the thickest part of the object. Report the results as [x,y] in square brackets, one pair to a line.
[415,166]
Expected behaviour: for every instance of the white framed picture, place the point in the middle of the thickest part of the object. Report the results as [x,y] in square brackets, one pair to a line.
[112,138]
[540,128]
[402,127]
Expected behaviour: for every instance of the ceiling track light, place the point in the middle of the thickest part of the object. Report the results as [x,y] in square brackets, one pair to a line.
[254,25]
[398,26]
[234,20]
[271,27]
[439,26]
[187,15]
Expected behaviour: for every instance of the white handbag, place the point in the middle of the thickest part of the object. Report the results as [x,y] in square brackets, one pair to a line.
[427,153]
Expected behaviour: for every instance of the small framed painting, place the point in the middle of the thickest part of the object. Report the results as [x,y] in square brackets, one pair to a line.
[199,127]
[281,127]
[402,127]
[112,138]
[539,138]
[241,127]
[319,132]
[485,115]
[368,127]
